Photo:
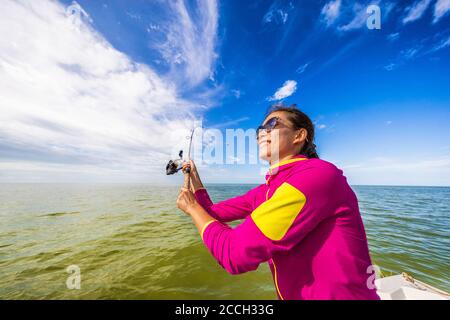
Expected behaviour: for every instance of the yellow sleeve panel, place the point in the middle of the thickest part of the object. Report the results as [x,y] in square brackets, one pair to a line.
[275,216]
[204,227]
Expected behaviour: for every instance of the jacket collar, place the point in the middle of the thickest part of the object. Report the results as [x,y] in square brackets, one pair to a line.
[274,169]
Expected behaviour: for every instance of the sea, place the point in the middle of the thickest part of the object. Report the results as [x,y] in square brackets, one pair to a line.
[129,241]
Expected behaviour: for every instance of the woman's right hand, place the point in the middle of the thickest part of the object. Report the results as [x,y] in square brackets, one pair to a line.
[196,182]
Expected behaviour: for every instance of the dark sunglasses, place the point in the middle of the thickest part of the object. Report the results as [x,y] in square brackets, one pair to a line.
[269,125]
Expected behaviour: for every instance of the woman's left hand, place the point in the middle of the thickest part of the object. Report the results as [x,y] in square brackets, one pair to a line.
[186,201]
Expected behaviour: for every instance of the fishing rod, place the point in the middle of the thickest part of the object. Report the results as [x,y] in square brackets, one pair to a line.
[187,181]
[176,165]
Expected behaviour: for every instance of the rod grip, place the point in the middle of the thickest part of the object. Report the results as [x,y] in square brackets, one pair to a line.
[187,179]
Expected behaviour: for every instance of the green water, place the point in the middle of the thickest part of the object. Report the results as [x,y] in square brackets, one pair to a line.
[130,242]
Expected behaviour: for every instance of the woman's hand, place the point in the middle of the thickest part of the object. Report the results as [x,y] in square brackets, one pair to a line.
[186,201]
[196,182]
[190,165]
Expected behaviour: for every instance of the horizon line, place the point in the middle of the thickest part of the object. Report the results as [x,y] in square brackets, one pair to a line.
[206,184]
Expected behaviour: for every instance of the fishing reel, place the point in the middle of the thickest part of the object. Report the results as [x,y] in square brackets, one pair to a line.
[176,165]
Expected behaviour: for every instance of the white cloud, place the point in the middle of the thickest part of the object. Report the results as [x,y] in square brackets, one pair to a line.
[405,56]
[441,45]
[190,41]
[134,16]
[302,68]
[441,8]
[359,19]
[68,98]
[416,11]
[330,12]
[435,43]
[393,36]
[278,13]
[237,93]
[153,27]
[278,16]
[230,123]
[410,53]
[359,15]
[288,88]
[390,66]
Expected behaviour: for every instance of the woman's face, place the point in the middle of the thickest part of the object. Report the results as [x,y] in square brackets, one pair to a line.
[281,141]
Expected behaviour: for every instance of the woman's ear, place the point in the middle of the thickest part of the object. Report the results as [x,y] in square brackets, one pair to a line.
[302,135]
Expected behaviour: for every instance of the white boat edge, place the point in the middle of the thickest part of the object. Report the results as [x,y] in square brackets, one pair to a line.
[405,287]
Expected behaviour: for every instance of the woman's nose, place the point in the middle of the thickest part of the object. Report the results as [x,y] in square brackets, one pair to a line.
[264,135]
[261,134]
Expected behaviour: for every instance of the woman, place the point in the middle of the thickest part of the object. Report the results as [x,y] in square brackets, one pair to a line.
[304,220]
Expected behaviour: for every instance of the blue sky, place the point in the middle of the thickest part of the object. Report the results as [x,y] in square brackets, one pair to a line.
[105,98]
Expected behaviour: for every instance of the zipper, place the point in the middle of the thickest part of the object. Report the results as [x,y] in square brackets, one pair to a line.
[268,188]
[276,279]
[273,262]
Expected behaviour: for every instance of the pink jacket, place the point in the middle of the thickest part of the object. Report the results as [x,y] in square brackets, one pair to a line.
[305,222]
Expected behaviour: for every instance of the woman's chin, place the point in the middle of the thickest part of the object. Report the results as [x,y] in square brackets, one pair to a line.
[263,155]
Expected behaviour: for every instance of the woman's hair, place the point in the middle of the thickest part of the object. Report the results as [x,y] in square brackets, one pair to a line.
[299,120]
